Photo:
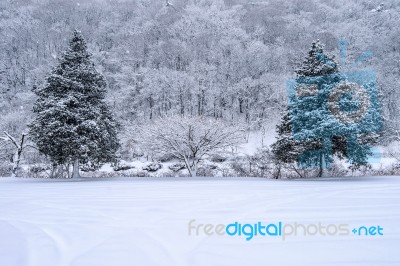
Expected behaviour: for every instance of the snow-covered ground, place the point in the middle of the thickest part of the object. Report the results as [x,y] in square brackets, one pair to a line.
[144,221]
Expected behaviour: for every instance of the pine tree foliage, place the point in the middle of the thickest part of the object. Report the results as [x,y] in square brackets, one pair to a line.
[309,113]
[73,122]
[286,149]
[317,63]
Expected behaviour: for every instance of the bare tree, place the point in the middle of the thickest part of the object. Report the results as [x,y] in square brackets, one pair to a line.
[190,138]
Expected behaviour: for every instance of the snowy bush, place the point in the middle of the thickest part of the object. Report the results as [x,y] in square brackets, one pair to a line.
[153,167]
[163,157]
[5,169]
[39,170]
[207,169]
[122,166]
[338,168]
[177,167]
[88,168]
[218,158]
[241,166]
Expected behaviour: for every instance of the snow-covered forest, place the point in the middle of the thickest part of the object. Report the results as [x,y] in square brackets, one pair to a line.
[188,68]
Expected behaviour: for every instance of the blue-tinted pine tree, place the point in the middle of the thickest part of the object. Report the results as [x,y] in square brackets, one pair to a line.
[313,117]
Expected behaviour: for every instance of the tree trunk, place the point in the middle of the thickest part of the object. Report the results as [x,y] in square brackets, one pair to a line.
[297,172]
[75,171]
[18,152]
[16,160]
[17,157]
[181,102]
[188,166]
[67,167]
[194,170]
[322,167]
[278,173]
[53,170]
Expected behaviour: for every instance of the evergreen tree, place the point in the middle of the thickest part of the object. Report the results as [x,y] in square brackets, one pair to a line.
[312,115]
[317,63]
[312,122]
[73,123]
[287,149]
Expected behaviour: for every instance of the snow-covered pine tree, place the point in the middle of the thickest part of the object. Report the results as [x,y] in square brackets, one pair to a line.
[309,115]
[286,149]
[73,123]
[317,63]
[311,118]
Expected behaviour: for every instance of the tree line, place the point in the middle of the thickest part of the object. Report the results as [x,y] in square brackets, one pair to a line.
[223,59]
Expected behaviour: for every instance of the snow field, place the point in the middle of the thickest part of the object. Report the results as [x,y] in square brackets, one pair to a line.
[144,221]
